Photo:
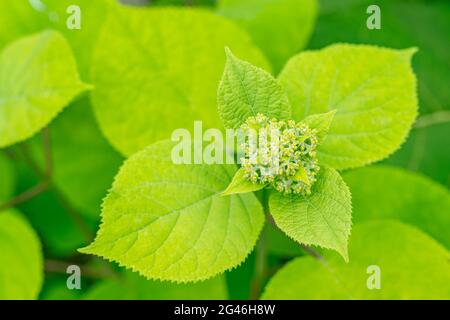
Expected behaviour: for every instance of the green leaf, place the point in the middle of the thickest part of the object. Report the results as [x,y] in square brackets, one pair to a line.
[157,69]
[169,221]
[412,266]
[246,90]
[32,95]
[240,184]
[383,192]
[321,122]
[75,156]
[7,178]
[21,18]
[134,287]
[321,219]
[403,24]
[411,23]
[83,40]
[280,28]
[373,90]
[21,267]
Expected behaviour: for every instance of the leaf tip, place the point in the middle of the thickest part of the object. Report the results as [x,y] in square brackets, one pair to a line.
[333,112]
[344,253]
[346,258]
[228,53]
[86,250]
[410,52]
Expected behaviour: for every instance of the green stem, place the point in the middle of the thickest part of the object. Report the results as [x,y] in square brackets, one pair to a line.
[26,195]
[60,267]
[432,119]
[261,255]
[260,268]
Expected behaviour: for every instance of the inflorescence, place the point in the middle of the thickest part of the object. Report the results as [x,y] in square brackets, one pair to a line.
[280,153]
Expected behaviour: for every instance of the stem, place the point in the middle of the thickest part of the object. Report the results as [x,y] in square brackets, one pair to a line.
[60,267]
[29,160]
[260,268]
[261,256]
[10,154]
[313,253]
[432,119]
[46,142]
[25,196]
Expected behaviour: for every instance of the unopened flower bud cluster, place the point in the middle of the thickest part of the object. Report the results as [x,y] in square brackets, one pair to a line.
[280,153]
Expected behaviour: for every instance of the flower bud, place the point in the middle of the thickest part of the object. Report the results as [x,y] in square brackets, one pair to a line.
[280,153]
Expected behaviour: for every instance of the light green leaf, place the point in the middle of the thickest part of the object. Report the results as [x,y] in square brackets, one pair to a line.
[240,184]
[38,78]
[403,24]
[280,27]
[412,266]
[7,178]
[75,156]
[169,221]
[157,69]
[383,192]
[135,287]
[321,219]
[373,90]
[21,268]
[83,40]
[246,90]
[411,23]
[21,18]
[321,122]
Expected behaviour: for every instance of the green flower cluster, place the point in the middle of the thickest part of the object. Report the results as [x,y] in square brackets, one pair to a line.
[280,153]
